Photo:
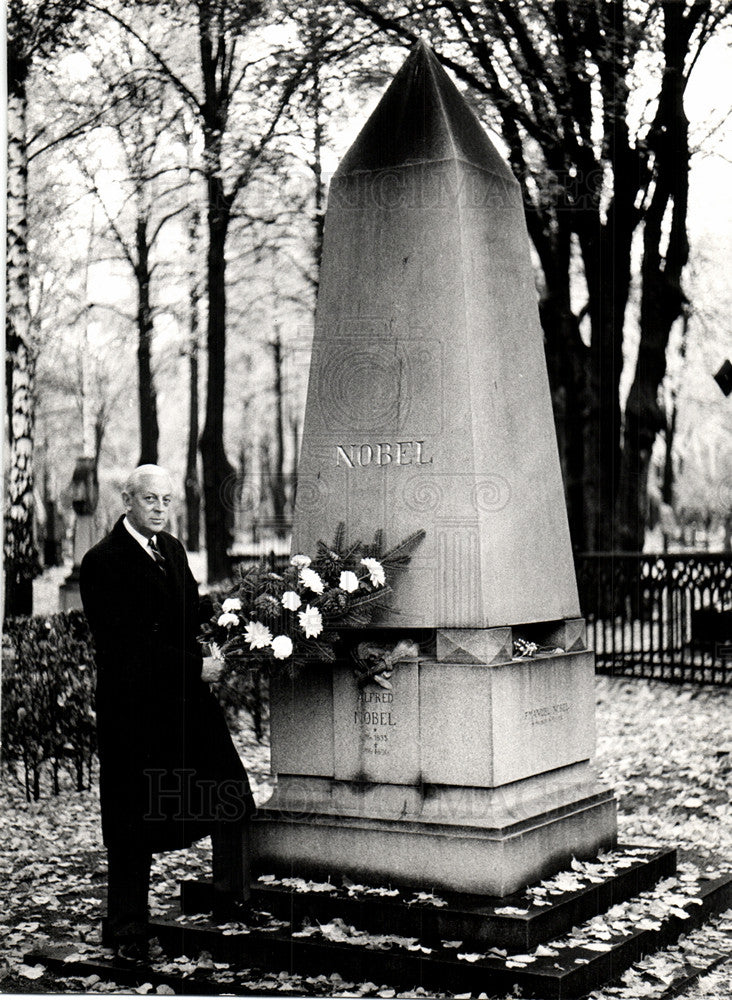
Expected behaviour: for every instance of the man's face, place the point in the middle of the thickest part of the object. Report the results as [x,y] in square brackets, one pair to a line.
[148,506]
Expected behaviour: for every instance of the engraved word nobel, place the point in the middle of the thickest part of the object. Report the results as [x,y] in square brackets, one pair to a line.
[372,717]
[383,453]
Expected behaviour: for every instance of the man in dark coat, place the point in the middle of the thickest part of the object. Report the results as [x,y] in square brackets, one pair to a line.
[169,772]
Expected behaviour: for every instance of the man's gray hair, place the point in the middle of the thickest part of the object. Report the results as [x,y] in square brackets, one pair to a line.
[138,474]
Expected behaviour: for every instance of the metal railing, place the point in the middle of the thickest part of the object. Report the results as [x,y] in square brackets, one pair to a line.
[663,616]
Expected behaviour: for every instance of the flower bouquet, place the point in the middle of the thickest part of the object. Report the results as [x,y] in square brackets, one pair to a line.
[275,621]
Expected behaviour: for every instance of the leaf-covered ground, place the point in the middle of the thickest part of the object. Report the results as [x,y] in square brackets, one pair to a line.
[666,750]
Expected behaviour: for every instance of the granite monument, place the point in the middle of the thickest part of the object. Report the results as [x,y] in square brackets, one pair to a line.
[428,407]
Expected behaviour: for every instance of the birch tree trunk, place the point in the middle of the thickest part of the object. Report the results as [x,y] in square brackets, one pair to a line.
[33,31]
[21,559]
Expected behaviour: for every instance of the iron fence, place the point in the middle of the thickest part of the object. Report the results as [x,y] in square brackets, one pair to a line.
[663,616]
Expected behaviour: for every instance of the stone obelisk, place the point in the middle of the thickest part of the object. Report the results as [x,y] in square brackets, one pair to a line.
[428,407]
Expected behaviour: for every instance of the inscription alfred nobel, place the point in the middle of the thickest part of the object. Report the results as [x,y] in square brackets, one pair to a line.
[376,730]
[375,715]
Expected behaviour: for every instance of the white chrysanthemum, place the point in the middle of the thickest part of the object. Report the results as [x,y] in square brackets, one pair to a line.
[310,579]
[376,572]
[348,581]
[282,647]
[311,622]
[231,604]
[227,619]
[215,651]
[257,635]
[291,600]
[300,561]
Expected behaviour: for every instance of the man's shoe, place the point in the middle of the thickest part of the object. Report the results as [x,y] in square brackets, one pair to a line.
[133,952]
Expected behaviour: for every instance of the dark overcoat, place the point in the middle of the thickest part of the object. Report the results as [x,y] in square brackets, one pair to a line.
[168,767]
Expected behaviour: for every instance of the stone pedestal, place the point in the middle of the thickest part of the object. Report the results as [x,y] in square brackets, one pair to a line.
[465,776]
[85,535]
[69,595]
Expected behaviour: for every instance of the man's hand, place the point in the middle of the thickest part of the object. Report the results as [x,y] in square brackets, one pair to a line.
[212,667]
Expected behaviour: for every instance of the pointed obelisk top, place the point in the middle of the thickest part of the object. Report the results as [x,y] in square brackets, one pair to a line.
[422,118]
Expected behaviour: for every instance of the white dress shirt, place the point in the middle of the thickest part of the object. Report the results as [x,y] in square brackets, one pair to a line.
[140,538]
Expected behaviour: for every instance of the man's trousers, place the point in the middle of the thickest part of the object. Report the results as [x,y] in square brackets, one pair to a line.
[128,879]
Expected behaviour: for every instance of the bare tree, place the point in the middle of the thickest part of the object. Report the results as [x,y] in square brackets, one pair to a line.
[231,156]
[35,31]
[140,123]
[339,58]
[665,256]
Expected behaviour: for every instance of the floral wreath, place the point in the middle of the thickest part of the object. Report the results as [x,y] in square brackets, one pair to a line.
[271,621]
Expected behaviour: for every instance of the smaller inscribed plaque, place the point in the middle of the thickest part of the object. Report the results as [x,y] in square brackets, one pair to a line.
[377,729]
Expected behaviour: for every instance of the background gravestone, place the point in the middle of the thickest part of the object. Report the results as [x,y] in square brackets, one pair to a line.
[428,407]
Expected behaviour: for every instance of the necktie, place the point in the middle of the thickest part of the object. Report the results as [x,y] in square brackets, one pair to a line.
[157,554]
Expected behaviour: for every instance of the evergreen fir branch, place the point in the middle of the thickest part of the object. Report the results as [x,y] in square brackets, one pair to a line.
[249,583]
[272,584]
[350,553]
[355,619]
[324,552]
[333,602]
[374,597]
[339,539]
[269,607]
[401,553]
[323,651]
[328,635]
[377,545]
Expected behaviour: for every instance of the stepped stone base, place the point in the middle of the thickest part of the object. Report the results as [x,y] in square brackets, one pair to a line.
[491,841]
[478,922]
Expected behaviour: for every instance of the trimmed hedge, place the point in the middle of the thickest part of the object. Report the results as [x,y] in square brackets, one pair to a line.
[48,686]
[48,718]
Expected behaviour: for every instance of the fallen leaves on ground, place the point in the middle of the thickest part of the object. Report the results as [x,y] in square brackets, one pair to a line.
[666,750]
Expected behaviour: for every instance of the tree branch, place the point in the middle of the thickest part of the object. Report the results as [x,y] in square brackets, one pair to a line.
[79,129]
[257,151]
[180,86]
[165,219]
